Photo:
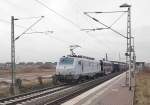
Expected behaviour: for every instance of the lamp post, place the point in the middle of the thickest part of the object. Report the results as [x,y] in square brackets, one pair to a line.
[129,46]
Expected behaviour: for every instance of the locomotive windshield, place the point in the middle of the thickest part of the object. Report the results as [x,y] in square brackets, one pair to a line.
[66,61]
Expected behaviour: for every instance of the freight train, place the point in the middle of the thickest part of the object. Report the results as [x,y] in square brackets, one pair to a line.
[74,68]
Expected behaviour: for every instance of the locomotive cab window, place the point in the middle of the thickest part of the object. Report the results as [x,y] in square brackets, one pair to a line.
[66,61]
[79,62]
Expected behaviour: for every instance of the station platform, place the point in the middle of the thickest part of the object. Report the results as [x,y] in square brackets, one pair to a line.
[111,92]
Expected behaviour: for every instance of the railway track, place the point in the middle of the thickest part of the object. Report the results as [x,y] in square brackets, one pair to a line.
[82,88]
[13,100]
[55,96]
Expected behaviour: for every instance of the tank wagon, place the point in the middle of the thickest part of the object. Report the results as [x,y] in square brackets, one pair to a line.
[74,68]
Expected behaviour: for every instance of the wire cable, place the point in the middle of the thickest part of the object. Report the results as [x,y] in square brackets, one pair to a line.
[117,19]
[107,12]
[29,27]
[76,25]
[70,21]
[105,25]
[68,43]
[109,26]
[99,41]
[65,18]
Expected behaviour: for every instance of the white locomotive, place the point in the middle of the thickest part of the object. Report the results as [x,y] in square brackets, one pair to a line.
[73,68]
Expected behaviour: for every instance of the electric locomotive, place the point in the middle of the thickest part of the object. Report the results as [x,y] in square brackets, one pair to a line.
[73,68]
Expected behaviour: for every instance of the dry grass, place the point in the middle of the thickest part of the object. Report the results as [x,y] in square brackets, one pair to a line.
[27,72]
[27,86]
[29,80]
[142,89]
[4,92]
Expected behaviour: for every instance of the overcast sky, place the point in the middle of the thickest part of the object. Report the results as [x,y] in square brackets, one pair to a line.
[50,47]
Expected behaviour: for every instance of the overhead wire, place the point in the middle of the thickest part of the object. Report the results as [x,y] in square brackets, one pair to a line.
[117,19]
[96,39]
[64,41]
[76,25]
[92,36]
[65,18]
[108,12]
[29,28]
[112,23]
[60,16]
[105,25]
[68,43]
[123,12]
[70,21]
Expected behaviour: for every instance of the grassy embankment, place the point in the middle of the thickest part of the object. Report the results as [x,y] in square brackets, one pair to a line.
[142,89]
